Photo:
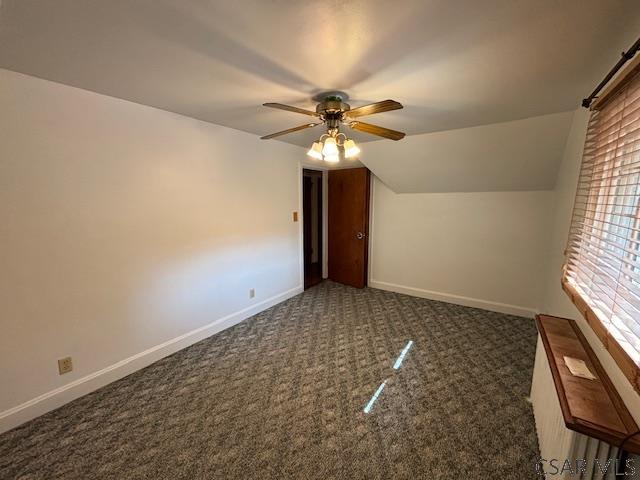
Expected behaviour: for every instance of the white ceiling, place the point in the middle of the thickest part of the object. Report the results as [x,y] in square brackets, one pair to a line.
[453,64]
[522,155]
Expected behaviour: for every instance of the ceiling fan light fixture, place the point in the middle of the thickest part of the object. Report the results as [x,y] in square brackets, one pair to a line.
[315,151]
[350,148]
[332,158]
[330,148]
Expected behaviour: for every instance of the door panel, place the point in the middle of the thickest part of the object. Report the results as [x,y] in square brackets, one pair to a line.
[349,226]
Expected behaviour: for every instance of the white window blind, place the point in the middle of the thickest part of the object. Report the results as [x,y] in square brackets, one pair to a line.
[603,264]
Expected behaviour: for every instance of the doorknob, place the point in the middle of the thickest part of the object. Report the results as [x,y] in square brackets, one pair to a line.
[359,235]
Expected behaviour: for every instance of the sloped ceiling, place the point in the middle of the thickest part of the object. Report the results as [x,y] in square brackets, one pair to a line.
[453,64]
[510,156]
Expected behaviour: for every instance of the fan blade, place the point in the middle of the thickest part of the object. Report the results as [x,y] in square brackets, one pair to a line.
[378,107]
[376,130]
[289,108]
[290,130]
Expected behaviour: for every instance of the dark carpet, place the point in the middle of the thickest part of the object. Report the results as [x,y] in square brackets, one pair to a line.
[282,394]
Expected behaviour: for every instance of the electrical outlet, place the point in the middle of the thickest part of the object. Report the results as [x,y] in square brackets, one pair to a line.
[252,293]
[65,365]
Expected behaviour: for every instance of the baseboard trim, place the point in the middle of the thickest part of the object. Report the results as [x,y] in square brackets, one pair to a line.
[457,299]
[53,399]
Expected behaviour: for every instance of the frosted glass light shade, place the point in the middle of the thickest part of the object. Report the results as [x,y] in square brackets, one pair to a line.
[330,147]
[332,158]
[315,151]
[350,149]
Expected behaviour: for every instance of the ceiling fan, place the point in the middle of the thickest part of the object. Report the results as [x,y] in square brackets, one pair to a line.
[333,112]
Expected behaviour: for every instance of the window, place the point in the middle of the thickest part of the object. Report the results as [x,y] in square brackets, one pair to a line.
[602,269]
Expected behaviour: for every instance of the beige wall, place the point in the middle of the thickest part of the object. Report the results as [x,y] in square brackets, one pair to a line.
[479,249]
[124,228]
[556,301]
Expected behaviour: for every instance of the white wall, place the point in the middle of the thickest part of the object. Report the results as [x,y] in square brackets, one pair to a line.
[123,229]
[482,249]
[555,301]
[465,215]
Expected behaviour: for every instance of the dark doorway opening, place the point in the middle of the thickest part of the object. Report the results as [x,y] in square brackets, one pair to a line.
[312,226]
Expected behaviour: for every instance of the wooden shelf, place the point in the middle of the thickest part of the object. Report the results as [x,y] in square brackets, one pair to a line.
[591,407]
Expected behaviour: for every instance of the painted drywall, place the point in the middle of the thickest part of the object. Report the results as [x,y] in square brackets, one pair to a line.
[555,301]
[482,249]
[128,232]
[522,155]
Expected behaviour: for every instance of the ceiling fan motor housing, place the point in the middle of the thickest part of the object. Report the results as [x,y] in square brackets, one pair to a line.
[331,110]
[332,105]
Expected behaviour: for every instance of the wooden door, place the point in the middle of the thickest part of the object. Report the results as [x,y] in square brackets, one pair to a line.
[349,226]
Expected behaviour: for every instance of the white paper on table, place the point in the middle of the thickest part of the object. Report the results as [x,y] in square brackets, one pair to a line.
[578,368]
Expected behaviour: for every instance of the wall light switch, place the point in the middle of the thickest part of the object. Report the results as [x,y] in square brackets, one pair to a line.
[295,216]
[252,293]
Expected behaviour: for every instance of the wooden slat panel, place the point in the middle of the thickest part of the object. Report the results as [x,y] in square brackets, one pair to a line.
[591,407]
[602,258]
